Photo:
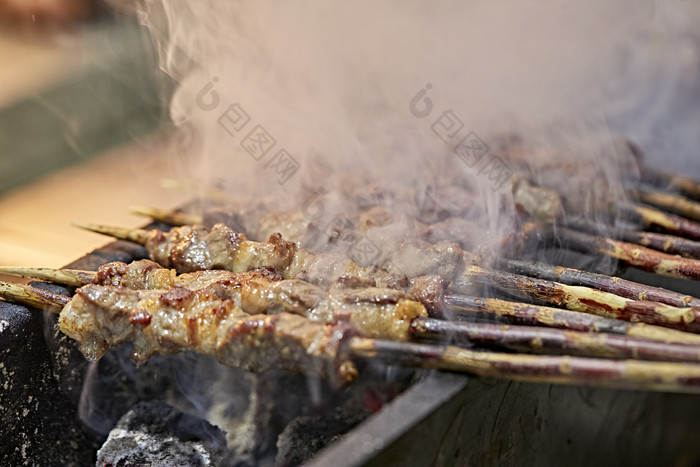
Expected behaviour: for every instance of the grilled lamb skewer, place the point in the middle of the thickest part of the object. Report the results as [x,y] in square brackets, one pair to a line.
[170,321]
[444,231]
[166,322]
[195,248]
[296,228]
[263,291]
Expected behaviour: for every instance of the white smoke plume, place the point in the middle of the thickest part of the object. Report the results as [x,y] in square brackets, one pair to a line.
[284,98]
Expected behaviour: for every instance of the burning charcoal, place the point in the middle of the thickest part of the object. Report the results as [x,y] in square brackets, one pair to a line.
[307,435]
[275,399]
[153,433]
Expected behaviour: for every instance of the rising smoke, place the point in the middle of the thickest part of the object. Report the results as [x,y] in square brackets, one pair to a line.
[286,98]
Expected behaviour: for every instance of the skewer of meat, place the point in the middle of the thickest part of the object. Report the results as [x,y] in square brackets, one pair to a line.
[615,286]
[192,248]
[651,260]
[297,228]
[166,322]
[171,321]
[390,314]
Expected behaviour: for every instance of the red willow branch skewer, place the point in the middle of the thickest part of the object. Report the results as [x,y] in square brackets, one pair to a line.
[662,221]
[633,255]
[196,248]
[536,339]
[463,306]
[98,319]
[389,314]
[582,299]
[667,180]
[264,291]
[614,285]
[673,203]
[670,244]
[609,284]
[629,374]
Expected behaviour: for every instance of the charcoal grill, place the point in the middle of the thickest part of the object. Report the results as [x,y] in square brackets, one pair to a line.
[441,418]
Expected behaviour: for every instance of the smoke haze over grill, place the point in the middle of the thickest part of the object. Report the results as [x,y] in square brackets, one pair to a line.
[331,82]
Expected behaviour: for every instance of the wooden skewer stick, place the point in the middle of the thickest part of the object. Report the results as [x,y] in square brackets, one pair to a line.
[666,180]
[637,256]
[537,315]
[627,374]
[71,277]
[139,236]
[580,298]
[665,222]
[167,217]
[33,296]
[667,243]
[537,339]
[614,285]
[670,244]
[673,203]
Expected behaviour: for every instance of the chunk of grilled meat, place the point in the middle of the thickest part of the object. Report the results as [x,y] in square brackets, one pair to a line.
[195,248]
[158,321]
[373,311]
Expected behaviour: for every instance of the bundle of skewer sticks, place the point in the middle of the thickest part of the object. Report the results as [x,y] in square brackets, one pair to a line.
[273,304]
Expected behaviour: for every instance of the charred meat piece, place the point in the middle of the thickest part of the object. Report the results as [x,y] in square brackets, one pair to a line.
[157,321]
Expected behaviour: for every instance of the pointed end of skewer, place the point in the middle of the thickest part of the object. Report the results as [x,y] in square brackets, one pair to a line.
[146,211]
[139,236]
[72,277]
[168,217]
[32,296]
[173,184]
